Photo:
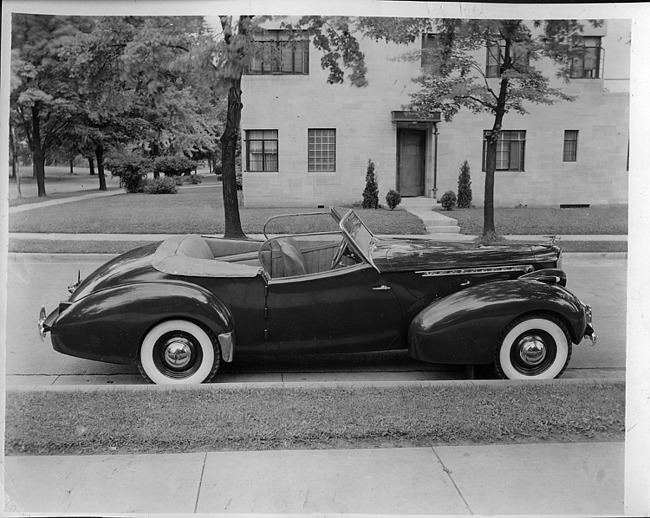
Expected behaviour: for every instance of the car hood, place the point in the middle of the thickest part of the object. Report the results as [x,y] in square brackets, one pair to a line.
[391,255]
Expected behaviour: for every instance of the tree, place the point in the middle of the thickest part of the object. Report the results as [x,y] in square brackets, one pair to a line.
[41,82]
[458,79]
[464,187]
[371,191]
[335,37]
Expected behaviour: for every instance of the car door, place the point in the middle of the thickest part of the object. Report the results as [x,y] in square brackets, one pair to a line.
[343,310]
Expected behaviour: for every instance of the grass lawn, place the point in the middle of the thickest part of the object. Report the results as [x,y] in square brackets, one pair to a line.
[191,211]
[209,418]
[606,219]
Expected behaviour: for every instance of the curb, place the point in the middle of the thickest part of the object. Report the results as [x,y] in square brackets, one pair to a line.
[498,384]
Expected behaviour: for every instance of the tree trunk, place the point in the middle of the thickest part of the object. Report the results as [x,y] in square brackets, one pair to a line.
[155,151]
[229,138]
[489,231]
[91,165]
[99,153]
[71,166]
[38,154]
[12,150]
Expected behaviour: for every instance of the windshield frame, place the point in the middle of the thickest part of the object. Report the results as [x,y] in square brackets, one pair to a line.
[358,235]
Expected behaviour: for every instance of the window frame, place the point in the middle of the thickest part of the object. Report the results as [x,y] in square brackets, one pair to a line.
[493,69]
[314,162]
[582,72]
[265,168]
[272,41]
[521,159]
[570,146]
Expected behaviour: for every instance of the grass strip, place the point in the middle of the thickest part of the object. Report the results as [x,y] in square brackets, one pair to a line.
[190,211]
[215,419]
[599,219]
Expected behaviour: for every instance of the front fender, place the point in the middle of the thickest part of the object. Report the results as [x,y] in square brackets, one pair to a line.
[465,327]
[109,325]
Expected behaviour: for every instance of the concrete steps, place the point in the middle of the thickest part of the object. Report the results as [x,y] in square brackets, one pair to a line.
[434,221]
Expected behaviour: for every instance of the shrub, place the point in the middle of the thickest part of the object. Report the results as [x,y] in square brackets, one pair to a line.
[194,179]
[174,165]
[464,187]
[371,192]
[393,198]
[131,169]
[240,181]
[160,186]
[448,200]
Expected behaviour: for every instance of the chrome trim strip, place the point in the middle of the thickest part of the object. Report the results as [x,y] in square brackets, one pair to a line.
[476,271]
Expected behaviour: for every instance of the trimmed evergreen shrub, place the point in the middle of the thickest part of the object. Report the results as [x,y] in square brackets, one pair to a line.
[464,187]
[131,169]
[160,186]
[448,200]
[174,165]
[371,192]
[393,198]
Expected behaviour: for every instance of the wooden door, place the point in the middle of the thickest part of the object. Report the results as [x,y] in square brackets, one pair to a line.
[411,145]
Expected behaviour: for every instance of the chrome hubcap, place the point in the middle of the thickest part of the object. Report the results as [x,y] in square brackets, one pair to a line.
[178,353]
[532,350]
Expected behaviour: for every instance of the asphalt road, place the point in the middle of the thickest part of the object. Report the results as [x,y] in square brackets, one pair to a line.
[34,281]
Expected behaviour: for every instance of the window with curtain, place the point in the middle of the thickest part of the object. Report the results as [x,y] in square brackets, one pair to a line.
[511,148]
[585,64]
[280,52]
[570,153]
[262,150]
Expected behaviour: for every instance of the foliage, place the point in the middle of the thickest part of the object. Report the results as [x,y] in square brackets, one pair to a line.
[371,191]
[458,79]
[448,200]
[193,179]
[393,199]
[131,169]
[464,187]
[165,185]
[177,165]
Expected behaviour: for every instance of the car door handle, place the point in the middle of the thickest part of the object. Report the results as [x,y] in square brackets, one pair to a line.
[466,283]
[383,287]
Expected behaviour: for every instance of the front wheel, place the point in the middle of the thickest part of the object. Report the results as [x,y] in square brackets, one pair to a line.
[179,352]
[533,347]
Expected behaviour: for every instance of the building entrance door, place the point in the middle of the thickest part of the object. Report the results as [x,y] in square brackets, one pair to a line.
[411,146]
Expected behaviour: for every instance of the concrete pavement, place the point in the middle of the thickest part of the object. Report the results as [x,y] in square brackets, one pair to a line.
[549,478]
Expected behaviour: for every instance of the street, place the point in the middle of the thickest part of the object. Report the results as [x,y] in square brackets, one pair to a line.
[35,280]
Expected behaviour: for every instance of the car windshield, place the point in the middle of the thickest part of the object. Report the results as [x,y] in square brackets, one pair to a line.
[357,233]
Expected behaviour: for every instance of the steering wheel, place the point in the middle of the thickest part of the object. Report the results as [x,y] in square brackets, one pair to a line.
[339,254]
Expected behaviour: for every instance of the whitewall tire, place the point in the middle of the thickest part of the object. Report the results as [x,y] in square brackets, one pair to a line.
[178,352]
[533,347]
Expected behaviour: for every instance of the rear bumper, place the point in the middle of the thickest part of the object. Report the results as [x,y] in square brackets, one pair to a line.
[44,323]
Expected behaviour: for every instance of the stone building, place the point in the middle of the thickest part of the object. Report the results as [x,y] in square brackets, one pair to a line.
[307,143]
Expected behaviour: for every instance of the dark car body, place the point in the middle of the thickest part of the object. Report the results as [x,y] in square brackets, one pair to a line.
[174,306]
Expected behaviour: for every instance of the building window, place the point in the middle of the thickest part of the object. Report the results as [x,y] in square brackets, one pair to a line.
[322,150]
[262,150]
[510,150]
[570,153]
[586,61]
[496,51]
[280,52]
[430,59]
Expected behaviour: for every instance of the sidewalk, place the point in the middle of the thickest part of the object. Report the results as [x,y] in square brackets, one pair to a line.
[555,478]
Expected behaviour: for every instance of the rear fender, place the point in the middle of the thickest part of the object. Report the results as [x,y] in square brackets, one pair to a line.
[110,324]
[464,328]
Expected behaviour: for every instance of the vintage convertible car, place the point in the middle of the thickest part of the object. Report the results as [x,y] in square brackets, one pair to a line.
[180,307]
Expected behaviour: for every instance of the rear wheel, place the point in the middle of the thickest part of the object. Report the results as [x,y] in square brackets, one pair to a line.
[179,352]
[533,347]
